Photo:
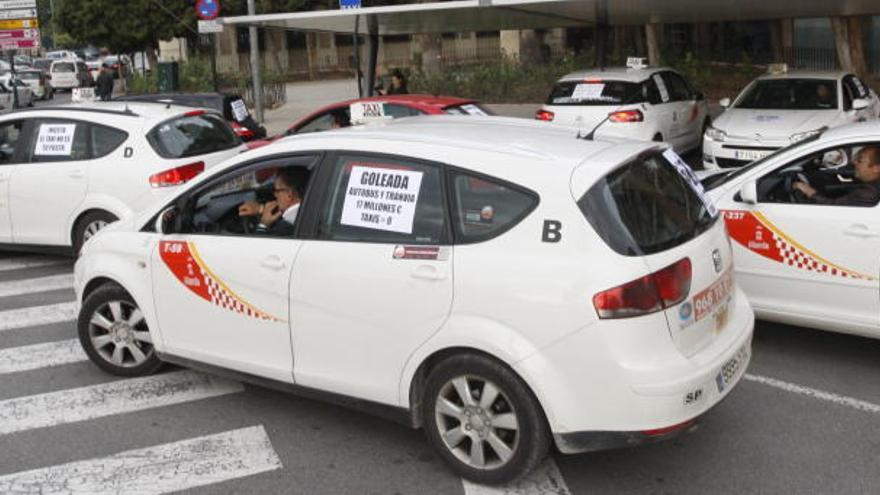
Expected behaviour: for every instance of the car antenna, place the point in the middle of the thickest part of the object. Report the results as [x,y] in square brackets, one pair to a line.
[592,134]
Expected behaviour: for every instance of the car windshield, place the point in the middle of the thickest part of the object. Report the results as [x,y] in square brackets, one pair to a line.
[714,181]
[790,94]
[595,92]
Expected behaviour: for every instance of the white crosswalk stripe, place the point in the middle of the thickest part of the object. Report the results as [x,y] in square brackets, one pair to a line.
[33,357]
[34,285]
[12,319]
[544,480]
[161,469]
[19,262]
[119,397]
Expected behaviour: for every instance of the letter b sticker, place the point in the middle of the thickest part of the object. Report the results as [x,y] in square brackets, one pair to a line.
[552,231]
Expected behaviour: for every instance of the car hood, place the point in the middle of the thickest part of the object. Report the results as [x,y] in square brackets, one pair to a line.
[773,124]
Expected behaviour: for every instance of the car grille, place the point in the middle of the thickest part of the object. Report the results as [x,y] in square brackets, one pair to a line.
[730,162]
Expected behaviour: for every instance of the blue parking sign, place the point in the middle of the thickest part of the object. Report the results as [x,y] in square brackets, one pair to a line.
[208,9]
[349,4]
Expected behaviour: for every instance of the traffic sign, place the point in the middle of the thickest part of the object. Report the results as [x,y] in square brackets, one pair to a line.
[208,9]
[349,4]
[18,14]
[18,4]
[18,23]
[19,34]
[16,44]
[211,26]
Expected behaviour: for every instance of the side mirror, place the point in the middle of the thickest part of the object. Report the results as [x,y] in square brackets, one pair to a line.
[860,104]
[165,220]
[724,102]
[749,193]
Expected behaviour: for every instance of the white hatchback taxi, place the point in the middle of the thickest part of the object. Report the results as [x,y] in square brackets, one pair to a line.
[638,102]
[811,261]
[782,107]
[498,282]
[67,171]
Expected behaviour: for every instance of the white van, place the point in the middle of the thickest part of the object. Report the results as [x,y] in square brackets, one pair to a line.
[68,74]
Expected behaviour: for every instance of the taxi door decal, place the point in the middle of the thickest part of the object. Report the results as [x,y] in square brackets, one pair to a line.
[759,235]
[183,260]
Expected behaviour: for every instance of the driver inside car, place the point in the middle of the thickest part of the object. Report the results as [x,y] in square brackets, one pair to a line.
[866,192]
[278,217]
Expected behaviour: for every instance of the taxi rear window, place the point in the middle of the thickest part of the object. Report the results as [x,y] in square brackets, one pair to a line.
[191,135]
[646,206]
[63,67]
[596,92]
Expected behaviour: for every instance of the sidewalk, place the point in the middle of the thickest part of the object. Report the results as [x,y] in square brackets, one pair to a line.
[304,98]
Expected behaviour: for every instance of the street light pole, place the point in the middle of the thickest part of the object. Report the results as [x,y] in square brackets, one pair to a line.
[255,64]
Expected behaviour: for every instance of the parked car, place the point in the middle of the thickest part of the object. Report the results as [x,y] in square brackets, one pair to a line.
[96,164]
[592,304]
[636,102]
[119,64]
[43,64]
[38,82]
[62,55]
[781,107]
[23,62]
[69,74]
[799,261]
[25,94]
[232,107]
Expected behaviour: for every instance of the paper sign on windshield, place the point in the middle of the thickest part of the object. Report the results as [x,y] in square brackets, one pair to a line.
[588,91]
[239,110]
[55,139]
[471,109]
[661,86]
[685,171]
[381,199]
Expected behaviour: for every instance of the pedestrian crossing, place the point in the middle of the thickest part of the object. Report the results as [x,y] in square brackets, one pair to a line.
[187,462]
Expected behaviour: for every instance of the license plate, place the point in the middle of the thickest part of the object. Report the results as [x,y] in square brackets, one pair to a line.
[717,294]
[750,155]
[731,369]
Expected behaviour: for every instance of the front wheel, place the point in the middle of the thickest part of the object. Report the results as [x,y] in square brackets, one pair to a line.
[483,420]
[114,333]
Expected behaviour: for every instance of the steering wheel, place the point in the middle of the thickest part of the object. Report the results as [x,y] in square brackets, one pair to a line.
[795,195]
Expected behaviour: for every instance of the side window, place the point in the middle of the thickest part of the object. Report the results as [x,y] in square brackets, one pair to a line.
[678,88]
[850,92]
[651,92]
[106,139]
[398,111]
[662,87]
[60,141]
[484,208]
[233,203]
[10,132]
[384,199]
[326,121]
[831,172]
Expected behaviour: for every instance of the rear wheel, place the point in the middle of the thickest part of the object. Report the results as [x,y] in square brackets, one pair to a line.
[114,333]
[483,419]
[89,225]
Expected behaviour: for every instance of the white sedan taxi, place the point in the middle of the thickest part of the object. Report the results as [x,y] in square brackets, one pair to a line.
[635,102]
[501,297]
[811,261]
[782,107]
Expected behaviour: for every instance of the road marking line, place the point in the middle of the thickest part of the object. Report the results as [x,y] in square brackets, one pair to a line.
[544,480]
[119,397]
[165,468]
[841,400]
[37,315]
[32,285]
[29,262]
[32,357]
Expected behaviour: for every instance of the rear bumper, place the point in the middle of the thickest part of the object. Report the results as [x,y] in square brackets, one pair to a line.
[589,441]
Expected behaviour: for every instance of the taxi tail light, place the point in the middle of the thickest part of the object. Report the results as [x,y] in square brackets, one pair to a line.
[624,116]
[655,292]
[177,176]
[544,115]
[194,113]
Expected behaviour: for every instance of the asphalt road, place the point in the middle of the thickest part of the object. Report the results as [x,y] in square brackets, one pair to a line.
[806,419]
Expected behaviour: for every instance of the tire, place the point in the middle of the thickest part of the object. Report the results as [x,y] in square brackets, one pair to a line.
[114,333]
[456,428]
[89,225]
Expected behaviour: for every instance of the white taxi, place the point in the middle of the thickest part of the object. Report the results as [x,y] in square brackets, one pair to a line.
[498,282]
[782,107]
[812,261]
[636,102]
[67,171]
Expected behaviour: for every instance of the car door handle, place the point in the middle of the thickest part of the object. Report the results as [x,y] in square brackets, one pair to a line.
[428,272]
[860,231]
[273,263]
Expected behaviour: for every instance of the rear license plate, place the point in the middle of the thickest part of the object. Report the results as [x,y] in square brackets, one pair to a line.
[750,155]
[717,294]
[731,369]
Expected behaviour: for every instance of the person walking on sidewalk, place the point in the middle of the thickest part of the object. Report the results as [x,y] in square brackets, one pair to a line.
[104,89]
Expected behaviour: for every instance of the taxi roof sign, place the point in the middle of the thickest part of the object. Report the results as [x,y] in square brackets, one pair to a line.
[636,62]
[368,111]
[779,68]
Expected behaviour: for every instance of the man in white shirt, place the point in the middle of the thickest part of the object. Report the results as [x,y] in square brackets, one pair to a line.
[278,217]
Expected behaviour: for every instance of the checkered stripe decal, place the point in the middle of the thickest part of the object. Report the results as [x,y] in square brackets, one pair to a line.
[759,235]
[184,262]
